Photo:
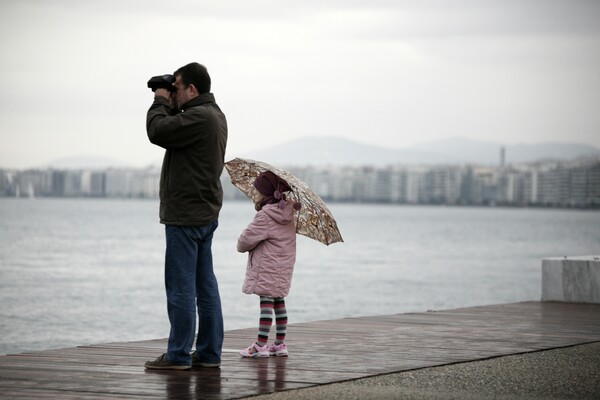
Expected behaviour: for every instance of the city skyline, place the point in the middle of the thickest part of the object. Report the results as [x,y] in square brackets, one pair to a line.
[574,183]
[392,73]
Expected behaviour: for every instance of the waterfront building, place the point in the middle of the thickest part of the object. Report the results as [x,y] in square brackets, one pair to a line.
[97,184]
[119,182]
[552,183]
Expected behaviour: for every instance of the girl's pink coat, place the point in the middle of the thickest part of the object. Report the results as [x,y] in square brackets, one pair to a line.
[270,240]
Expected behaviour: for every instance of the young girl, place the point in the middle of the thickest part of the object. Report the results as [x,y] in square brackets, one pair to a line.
[270,240]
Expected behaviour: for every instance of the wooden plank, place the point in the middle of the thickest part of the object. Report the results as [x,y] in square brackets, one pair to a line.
[321,352]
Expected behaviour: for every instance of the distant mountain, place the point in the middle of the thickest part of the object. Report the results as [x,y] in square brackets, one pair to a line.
[482,152]
[561,151]
[339,151]
[87,162]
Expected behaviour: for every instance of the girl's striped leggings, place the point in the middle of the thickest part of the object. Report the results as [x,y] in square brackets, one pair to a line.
[267,306]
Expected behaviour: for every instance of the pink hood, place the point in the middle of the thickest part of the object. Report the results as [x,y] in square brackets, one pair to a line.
[270,240]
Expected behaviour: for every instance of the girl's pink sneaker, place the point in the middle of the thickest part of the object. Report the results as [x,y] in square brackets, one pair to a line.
[255,351]
[279,350]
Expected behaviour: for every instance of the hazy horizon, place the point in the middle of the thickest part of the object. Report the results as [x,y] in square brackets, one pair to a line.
[350,152]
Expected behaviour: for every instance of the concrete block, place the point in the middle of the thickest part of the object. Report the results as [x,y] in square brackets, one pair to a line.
[571,279]
[552,280]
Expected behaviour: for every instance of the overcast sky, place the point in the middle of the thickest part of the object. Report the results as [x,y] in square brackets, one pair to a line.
[73,73]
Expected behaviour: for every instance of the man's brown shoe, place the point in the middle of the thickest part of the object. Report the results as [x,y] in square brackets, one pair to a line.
[162,363]
[196,363]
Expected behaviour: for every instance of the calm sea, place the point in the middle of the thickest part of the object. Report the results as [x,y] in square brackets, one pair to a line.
[78,271]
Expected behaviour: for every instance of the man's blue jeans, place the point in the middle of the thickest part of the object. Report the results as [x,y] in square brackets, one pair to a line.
[190,282]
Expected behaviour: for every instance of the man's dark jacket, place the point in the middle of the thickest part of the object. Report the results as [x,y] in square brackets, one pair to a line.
[195,138]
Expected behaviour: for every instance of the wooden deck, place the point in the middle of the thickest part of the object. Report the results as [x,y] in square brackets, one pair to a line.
[320,352]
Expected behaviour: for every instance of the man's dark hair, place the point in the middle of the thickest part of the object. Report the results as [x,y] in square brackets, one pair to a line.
[195,74]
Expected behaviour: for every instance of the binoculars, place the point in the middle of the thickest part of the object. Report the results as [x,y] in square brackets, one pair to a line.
[162,82]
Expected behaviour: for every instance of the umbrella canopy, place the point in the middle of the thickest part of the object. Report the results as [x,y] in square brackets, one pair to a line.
[313,220]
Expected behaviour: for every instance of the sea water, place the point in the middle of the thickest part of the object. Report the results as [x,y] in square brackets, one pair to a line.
[84,271]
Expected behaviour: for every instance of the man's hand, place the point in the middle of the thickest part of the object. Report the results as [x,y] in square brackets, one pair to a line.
[171,96]
[163,93]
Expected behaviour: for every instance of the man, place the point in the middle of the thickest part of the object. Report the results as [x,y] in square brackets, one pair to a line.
[194,136]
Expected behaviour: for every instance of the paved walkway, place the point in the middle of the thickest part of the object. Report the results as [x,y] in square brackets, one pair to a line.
[564,373]
[326,352]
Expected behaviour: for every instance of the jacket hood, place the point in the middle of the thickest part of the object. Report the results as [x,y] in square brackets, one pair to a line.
[281,216]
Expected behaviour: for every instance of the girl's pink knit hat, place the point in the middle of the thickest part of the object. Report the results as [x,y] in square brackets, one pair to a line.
[272,187]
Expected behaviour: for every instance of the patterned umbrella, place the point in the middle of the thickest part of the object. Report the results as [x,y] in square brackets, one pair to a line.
[313,220]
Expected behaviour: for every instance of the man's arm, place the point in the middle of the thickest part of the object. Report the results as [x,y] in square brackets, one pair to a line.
[171,131]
